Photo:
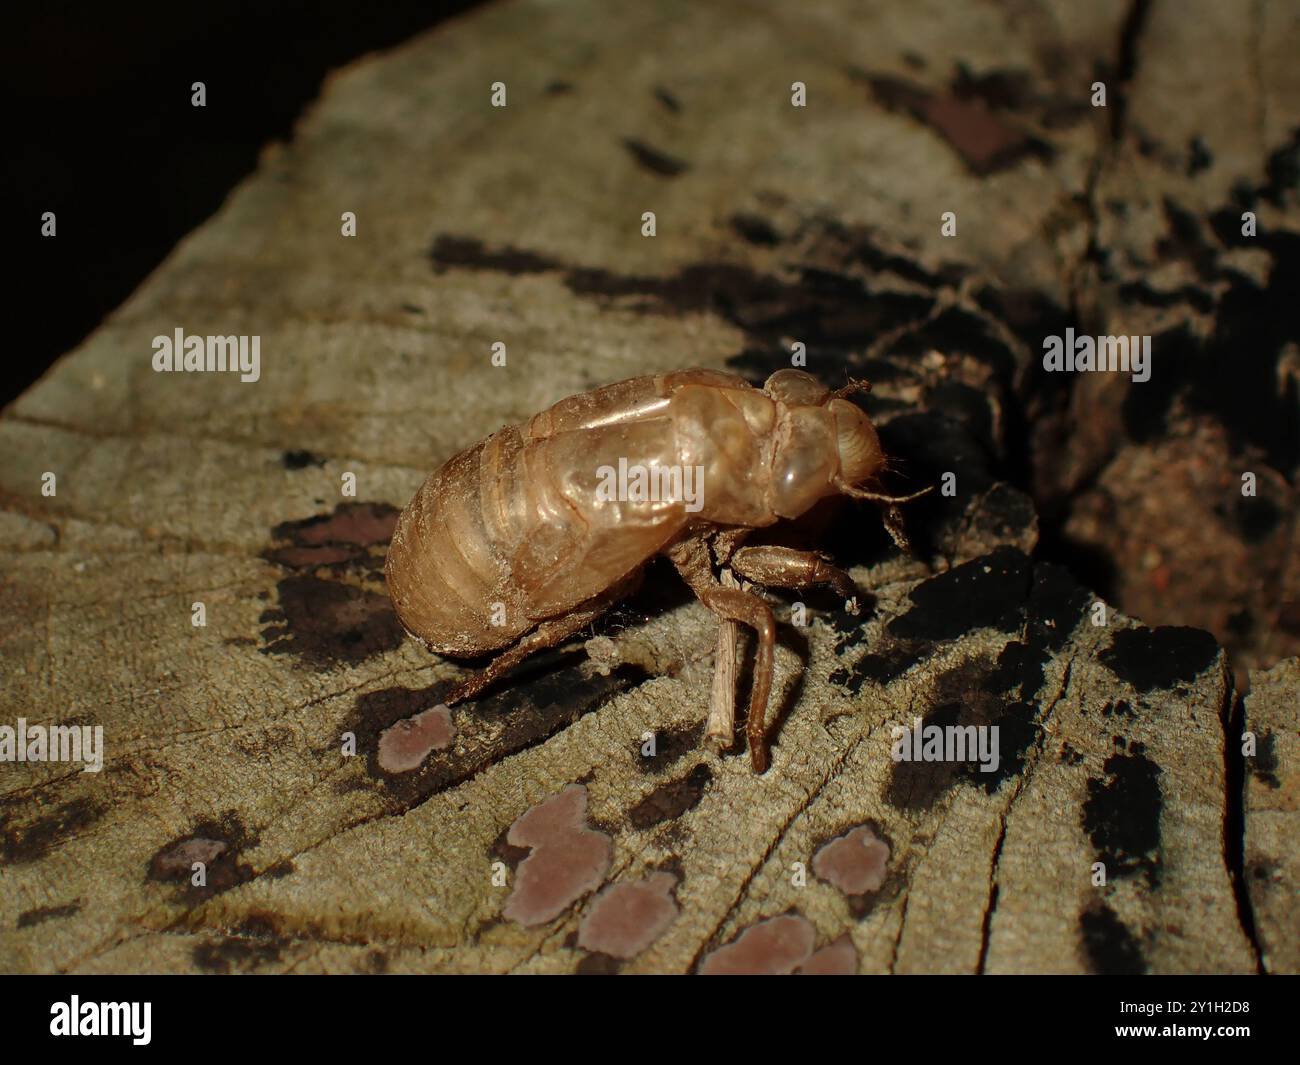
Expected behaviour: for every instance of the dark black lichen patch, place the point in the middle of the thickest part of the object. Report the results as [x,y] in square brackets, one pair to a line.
[1057,603]
[1264,765]
[468,253]
[1234,375]
[1005,693]
[754,229]
[1018,730]
[544,696]
[41,914]
[1052,609]
[1262,872]
[669,101]
[236,954]
[1288,616]
[1141,292]
[333,610]
[30,830]
[986,592]
[1186,241]
[972,697]
[1122,815]
[963,404]
[1199,157]
[300,460]
[1145,410]
[1109,947]
[1005,515]
[325,623]
[502,850]
[280,869]
[669,801]
[1258,517]
[833,312]
[218,845]
[915,784]
[949,439]
[1161,657]
[1020,669]
[849,626]
[884,666]
[957,331]
[652,159]
[670,746]
[863,249]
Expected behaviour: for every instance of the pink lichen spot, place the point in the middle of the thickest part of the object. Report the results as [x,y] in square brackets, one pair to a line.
[627,918]
[855,863]
[568,859]
[774,947]
[834,959]
[405,745]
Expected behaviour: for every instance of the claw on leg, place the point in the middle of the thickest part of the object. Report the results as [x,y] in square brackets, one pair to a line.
[894,526]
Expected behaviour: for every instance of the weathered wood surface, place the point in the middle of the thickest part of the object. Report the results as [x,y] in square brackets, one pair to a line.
[522,224]
[1272,870]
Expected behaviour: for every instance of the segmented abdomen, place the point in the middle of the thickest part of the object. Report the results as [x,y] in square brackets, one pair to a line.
[444,569]
[512,530]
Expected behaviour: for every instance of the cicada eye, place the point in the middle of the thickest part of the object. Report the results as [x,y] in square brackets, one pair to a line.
[803,464]
[796,388]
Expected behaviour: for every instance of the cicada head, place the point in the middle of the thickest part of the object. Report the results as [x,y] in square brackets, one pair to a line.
[822,441]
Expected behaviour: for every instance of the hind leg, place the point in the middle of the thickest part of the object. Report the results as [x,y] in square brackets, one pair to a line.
[549,633]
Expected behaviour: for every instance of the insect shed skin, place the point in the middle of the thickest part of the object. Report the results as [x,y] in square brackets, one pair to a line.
[511,546]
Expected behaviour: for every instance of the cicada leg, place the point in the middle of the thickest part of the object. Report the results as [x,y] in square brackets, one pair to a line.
[691,557]
[547,634]
[785,567]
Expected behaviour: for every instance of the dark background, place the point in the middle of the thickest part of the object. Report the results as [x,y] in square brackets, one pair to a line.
[100,130]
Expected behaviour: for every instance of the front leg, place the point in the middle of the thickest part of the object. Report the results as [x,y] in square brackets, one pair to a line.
[784,567]
[691,557]
[726,543]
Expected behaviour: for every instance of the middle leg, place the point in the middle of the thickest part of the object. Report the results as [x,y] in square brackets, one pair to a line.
[691,557]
